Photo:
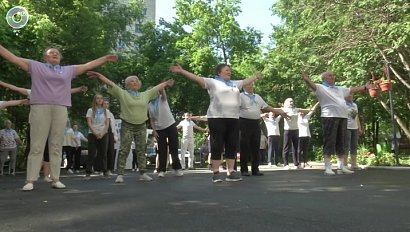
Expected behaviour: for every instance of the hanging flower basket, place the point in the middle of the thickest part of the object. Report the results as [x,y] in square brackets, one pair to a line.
[373,92]
[386,86]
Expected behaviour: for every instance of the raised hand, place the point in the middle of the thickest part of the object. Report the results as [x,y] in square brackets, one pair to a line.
[111,57]
[176,68]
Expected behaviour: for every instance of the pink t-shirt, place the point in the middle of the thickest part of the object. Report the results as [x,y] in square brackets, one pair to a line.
[50,86]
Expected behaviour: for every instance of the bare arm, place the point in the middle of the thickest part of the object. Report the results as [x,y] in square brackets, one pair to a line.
[276,111]
[82,68]
[21,62]
[368,85]
[82,88]
[256,76]
[6,104]
[101,77]
[312,110]
[19,90]
[308,81]
[359,125]
[200,128]
[160,87]
[199,118]
[176,68]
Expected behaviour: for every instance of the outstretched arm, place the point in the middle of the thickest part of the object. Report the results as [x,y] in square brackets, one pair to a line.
[101,77]
[82,68]
[160,87]
[19,90]
[256,76]
[82,88]
[176,68]
[21,62]
[199,118]
[200,128]
[14,103]
[308,81]
[312,110]
[276,111]
[368,85]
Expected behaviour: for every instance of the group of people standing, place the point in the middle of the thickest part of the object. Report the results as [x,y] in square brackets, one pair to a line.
[233,117]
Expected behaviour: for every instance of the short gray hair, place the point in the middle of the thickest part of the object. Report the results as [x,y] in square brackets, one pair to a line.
[128,79]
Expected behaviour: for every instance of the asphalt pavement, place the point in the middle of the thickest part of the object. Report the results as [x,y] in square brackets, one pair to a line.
[281,200]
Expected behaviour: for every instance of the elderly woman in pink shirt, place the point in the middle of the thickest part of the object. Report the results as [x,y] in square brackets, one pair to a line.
[50,97]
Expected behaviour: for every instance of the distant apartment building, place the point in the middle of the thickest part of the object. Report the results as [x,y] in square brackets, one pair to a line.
[135,27]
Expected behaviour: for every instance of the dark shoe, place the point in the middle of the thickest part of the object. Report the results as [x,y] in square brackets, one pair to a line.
[245,174]
[216,177]
[257,174]
[233,177]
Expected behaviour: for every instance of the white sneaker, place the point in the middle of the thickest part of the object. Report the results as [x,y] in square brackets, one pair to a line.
[58,185]
[69,171]
[28,187]
[155,171]
[286,167]
[329,172]
[161,174]
[120,179]
[48,179]
[145,177]
[344,170]
[109,173]
[270,165]
[179,172]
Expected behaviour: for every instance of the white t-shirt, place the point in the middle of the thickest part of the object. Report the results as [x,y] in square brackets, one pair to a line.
[272,125]
[251,105]
[161,114]
[292,123]
[187,128]
[303,123]
[332,101]
[69,137]
[352,112]
[224,99]
[78,137]
[98,122]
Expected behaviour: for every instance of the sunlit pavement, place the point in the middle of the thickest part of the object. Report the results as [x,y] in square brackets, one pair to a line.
[281,200]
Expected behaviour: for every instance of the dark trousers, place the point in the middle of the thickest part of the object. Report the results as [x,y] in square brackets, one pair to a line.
[171,134]
[250,136]
[110,150]
[273,149]
[69,152]
[77,158]
[97,148]
[303,148]
[290,140]
[134,159]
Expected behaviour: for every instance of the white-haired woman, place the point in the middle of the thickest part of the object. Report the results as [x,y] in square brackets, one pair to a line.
[133,113]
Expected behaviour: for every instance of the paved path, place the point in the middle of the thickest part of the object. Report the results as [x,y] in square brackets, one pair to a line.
[293,200]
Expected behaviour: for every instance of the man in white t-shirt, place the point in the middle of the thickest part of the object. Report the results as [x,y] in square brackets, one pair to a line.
[250,131]
[333,117]
[187,143]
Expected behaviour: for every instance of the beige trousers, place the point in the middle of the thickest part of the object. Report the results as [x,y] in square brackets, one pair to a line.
[46,121]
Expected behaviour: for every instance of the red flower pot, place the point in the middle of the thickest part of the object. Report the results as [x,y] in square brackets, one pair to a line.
[373,92]
[386,86]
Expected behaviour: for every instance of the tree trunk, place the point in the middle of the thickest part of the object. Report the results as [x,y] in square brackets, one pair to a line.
[398,120]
